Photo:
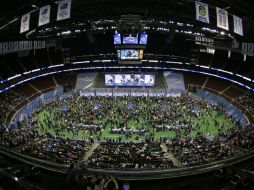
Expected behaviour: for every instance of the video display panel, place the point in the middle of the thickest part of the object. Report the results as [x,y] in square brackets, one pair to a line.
[143,39]
[129,80]
[130,39]
[130,54]
[117,39]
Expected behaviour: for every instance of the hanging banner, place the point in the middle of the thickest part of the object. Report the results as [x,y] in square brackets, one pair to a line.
[5,47]
[44,15]
[202,12]
[1,48]
[25,21]
[250,49]
[16,46]
[244,48]
[238,25]
[64,10]
[222,18]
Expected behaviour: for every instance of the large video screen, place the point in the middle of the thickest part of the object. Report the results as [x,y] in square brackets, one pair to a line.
[130,54]
[129,80]
[130,39]
[117,39]
[143,39]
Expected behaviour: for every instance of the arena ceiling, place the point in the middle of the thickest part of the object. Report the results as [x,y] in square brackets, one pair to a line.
[11,11]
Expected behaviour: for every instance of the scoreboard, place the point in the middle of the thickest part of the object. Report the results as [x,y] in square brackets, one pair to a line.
[130,80]
[130,47]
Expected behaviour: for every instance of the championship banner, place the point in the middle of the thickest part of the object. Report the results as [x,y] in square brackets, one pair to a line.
[64,9]
[250,49]
[1,48]
[238,25]
[244,48]
[16,46]
[44,15]
[202,12]
[25,21]
[222,18]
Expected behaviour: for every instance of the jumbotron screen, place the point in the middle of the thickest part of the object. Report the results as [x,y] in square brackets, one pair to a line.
[129,80]
[117,39]
[130,39]
[129,54]
[143,39]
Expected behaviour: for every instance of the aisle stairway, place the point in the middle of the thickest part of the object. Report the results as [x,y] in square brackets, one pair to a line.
[171,156]
[175,81]
[90,152]
[85,80]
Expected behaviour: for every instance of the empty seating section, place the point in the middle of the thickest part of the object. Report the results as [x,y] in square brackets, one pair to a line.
[204,59]
[251,62]
[219,59]
[217,84]
[4,71]
[234,62]
[18,97]
[225,89]
[66,79]
[13,63]
[28,62]
[234,92]
[195,79]
[56,56]
[26,89]
[42,57]
[44,84]
[245,69]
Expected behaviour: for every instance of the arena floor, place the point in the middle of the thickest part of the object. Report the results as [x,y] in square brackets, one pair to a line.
[206,124]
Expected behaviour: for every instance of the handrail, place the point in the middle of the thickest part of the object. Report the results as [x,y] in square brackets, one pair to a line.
[249,116]
[133,174]
[169,68]
[19,106]
[159,61]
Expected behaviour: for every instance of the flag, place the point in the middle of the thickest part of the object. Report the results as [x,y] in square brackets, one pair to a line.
[64,9]
[1,48]
[238,25]
[202,12]
[244,48]
[222,18]
[250,49]
[25,21]
[44,15]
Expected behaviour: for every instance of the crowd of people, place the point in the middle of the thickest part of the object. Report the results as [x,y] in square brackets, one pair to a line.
[15,137]
[8,100]
[247,101]
[128,155]
[202,150]
[77,180]
[46,138]
[57,150]
[11,136]
[113,114]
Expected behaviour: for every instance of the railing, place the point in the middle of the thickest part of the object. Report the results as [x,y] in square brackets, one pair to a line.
[238,105]
[104,61]
[15,109]
[130,92]
[133,174]
[56,71]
